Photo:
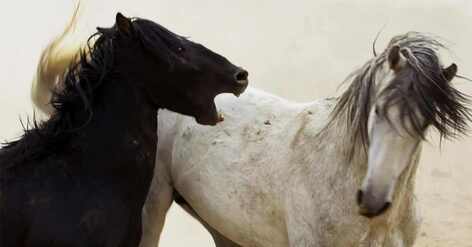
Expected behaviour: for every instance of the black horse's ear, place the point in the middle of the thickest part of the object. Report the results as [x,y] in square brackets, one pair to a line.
[123,24]
[450,72]
[105,31]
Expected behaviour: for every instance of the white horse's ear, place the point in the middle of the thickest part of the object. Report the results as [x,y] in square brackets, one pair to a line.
[395,58]
[450,72]
[124,24]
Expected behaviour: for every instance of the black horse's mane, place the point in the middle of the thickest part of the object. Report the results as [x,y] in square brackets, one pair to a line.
[94,67]
[421,92]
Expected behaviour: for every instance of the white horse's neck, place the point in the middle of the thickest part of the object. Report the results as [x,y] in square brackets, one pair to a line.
[332,141]
[331,146]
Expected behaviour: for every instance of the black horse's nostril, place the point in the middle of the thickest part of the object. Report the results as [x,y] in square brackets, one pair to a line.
[359,196]
[241,75]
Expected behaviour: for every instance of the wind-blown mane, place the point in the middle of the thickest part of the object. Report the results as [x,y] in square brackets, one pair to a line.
[421,92]
[80,81]
[76,94]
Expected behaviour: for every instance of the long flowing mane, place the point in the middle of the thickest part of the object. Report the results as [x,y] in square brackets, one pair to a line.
[422,93]
[95,66]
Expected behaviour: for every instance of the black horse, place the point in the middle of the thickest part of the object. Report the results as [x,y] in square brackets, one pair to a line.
[80,179]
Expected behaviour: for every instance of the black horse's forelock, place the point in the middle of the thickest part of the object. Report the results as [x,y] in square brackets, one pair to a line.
[158,40]
[81,80]
[424,96]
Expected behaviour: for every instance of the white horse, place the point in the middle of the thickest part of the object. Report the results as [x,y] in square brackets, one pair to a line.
[279,173]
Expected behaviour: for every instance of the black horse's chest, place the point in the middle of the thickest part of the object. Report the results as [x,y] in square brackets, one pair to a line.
[142,148]
[93,194]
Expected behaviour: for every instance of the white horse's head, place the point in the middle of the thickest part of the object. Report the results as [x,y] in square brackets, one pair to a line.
[390,104]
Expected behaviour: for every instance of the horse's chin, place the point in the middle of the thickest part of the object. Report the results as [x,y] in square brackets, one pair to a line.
[369,214]
[371,204]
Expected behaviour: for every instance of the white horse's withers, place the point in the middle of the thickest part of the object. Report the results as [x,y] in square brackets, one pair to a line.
[278,173]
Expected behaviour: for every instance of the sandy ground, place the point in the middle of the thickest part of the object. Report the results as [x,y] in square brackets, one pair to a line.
[299,49]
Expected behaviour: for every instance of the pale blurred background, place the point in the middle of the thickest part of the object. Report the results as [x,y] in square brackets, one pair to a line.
[299,49]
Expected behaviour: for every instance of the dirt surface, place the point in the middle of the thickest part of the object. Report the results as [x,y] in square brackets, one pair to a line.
[300,49]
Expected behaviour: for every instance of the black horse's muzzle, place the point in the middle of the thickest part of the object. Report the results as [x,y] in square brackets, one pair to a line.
[241,78]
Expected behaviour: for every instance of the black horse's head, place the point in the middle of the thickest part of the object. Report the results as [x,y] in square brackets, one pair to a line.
[176,73]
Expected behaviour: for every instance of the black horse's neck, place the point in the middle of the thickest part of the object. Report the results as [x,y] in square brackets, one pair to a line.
[121,135]
[119,142]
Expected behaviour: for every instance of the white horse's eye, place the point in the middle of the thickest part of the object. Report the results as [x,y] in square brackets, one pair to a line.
[376,111]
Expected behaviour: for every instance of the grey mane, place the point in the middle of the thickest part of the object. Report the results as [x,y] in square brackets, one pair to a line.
[421,88]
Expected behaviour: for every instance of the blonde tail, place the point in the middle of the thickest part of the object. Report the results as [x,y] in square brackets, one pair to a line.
[53,63]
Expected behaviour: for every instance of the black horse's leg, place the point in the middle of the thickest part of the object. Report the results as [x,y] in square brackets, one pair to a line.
[134,233]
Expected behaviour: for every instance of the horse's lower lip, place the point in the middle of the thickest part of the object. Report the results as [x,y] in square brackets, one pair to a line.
[212,117]
[367,213]
[211,122]
[364,212]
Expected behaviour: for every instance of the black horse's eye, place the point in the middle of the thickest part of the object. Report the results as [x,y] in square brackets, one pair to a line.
[180,49]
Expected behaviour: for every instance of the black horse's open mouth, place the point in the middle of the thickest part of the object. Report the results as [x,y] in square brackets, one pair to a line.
[211,116]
